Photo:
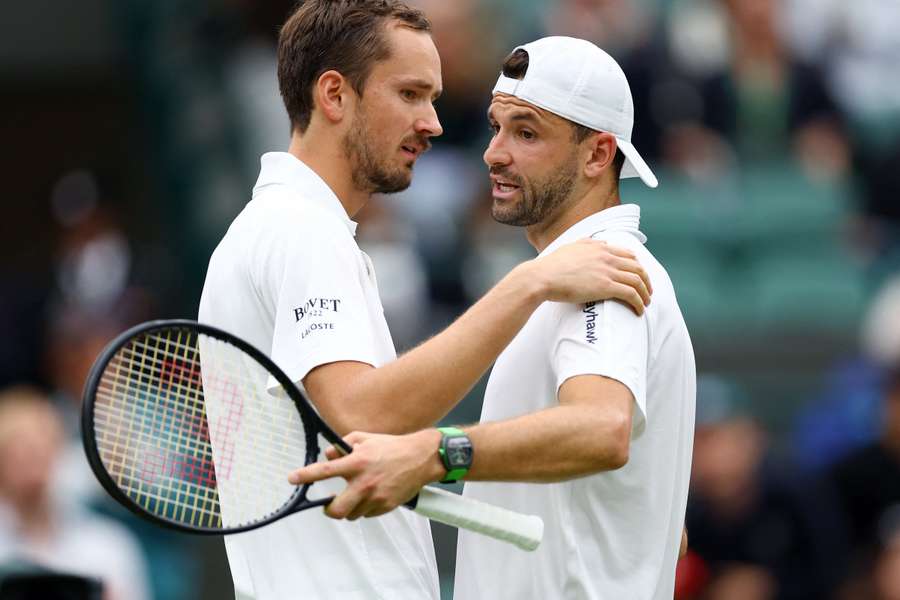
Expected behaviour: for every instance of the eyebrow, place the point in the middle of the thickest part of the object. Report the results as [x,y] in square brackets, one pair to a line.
[424,85]
[520,115]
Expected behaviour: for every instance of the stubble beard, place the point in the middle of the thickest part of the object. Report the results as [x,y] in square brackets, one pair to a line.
[539,199]
[370,169]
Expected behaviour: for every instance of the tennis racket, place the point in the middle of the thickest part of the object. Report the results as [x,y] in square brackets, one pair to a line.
[194,429]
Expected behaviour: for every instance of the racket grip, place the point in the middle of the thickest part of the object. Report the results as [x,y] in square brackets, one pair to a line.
[525,531]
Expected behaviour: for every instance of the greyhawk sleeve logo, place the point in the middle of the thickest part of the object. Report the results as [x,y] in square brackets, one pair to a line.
[590,325]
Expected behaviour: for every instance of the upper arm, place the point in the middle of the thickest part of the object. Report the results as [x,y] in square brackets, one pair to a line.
[604,339]
[313,280]
[326,386]
[606,399]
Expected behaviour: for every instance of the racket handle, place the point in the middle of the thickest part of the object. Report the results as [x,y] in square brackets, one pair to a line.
[525,531]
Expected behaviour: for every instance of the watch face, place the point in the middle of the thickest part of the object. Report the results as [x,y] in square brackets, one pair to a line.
[459,452]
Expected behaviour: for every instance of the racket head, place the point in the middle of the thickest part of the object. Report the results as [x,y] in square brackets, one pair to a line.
[149,440]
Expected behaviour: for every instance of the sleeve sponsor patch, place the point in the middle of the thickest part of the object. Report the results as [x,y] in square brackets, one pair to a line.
[316,307]
[311,313]
[590,322]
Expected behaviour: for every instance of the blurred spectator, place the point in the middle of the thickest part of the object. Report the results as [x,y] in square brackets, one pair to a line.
[843,417]
[868,479]
[765,102]
[617,26]
[848,414]
[48,528]
[764,530]
[857,44]
[75,338]
[471,54]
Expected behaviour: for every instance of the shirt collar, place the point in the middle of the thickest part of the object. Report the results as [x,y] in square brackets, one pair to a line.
[283,168]
[624,217]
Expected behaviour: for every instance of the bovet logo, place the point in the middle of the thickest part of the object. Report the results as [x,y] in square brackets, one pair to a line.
[316,307]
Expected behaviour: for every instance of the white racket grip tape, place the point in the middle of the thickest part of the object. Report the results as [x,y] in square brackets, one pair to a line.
[525,531]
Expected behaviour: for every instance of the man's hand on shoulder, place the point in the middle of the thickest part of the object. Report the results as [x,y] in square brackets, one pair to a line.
[590,270]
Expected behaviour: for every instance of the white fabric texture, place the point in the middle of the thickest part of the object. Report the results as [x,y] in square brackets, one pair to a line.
[289,278]
[614,534]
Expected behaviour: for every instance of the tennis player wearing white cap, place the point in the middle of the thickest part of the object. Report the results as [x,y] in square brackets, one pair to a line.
[588,415]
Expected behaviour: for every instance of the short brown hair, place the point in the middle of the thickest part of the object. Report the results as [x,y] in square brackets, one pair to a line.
[516,65]
[344,35]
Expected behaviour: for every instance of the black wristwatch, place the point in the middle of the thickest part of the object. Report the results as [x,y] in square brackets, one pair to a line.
[456,453]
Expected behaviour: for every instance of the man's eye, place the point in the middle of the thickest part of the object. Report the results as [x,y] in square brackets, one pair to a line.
[526,134]
[409,94]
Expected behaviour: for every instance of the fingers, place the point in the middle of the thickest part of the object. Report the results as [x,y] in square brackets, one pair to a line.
[635,282]
[620,252]
[633,266]
[352,439]
[340,467]
[358,502]
[345,505]
[626,260]
[630,296]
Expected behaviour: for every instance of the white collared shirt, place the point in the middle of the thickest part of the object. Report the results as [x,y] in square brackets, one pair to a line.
[612,535]
[289,278]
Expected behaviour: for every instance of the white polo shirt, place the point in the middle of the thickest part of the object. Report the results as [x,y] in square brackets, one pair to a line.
[289,278]
[613,535]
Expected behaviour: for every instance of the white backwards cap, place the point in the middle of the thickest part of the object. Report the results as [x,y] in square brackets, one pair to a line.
[580,82]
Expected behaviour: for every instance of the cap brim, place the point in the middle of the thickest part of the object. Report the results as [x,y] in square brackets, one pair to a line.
[634,165]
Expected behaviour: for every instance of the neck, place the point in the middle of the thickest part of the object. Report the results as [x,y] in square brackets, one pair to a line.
[541,235]
[323,152]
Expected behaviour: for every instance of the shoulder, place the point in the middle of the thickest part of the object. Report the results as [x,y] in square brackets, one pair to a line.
[276,226]
[279,212]
[623,239]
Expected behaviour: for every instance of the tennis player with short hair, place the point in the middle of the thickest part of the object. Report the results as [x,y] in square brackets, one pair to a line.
[358,78]
[588,415]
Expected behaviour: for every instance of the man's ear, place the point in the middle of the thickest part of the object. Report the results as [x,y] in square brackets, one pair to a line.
[331,95]
[602,147]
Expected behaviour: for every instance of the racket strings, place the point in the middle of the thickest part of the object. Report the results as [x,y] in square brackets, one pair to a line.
[186,428]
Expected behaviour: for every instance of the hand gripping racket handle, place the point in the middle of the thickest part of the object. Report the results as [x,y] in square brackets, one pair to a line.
[525,531]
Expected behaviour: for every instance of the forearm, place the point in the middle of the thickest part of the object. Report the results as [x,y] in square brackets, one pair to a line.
[423,385]
[556,444]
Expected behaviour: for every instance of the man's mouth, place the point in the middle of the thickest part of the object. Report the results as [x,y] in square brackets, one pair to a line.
[503,186]
[414,149]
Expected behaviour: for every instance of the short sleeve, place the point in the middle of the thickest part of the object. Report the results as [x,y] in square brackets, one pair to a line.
[316,280]
[603,338]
